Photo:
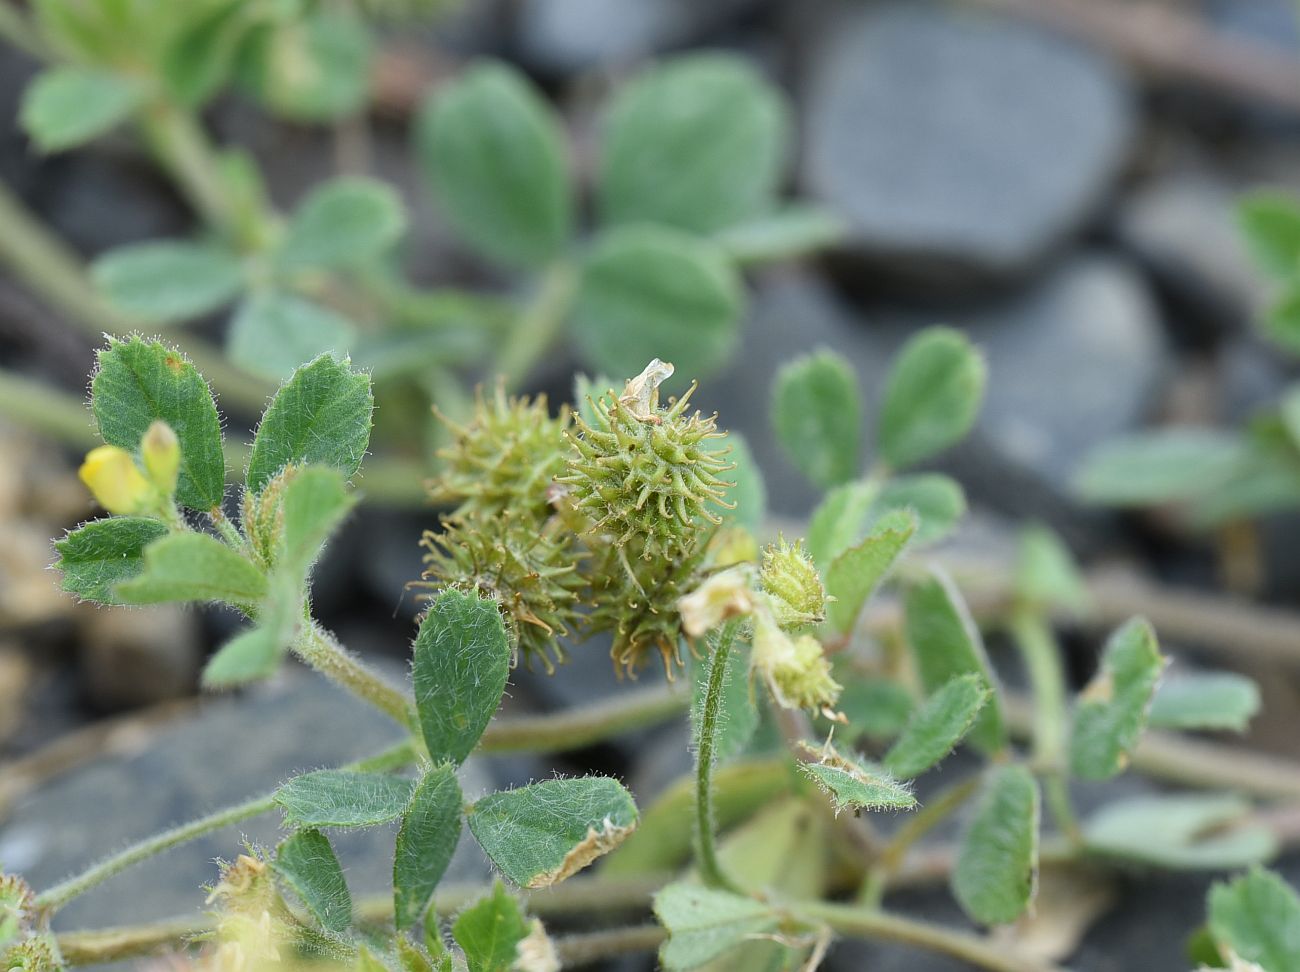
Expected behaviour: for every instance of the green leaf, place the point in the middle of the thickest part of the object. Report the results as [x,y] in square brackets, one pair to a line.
[314,68]
[249,656]
[697,143]
[932,396]
[855,574]
[1210,700]
[322,415]
[425,842]
[1192,832]
[938,502]
[1289,412]
[168,280]
[1281,324]
[66,106]
[1159,467]
[997,864]
[346,222]
[1046,574]
[817,414]
[315,503]
[785,234]
[1257,916]
[878,708]
[140,381]
[495,155]
[650,292]
[343,798]
[946,643]
[273,333]
[539,835]
[306,863]
[1270,221]
[1112,709]
[738,718]
[837,522]
[853,783]
[703,923]
[490,930]
[938,726]
[97,556]
[194,567]
[462,658]
[198,61]
[749,494]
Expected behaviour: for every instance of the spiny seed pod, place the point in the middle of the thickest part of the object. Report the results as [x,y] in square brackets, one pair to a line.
[644,473]
[796,670]
[530,572]
[794,588]
[32,955]
[17,908]
[504,458]
[263,516]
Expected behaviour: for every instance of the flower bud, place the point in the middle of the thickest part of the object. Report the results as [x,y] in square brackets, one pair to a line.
[161,452]
[117,484]
[791,581]
[796,669]
[724,595]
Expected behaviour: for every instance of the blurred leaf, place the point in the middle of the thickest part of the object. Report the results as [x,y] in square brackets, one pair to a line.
[856,573]
[306,862]
[1270,221]
[1192,832]
[138,382]
[251,655]
[650,292]
[199,60]
[66,106]
[997,863]
[781,235]
[938,502]
[852,783]
[538,835]
[946,643]
[1209,700]
[193,567]
[343,798]
[1046,574]
[1266,480]
[346,222]
[782,848]
[1112,709]
[97,556]
[1159,466]
[837,522]
[697,143]
[315,502]
[739,713]
[166,281]
[932,396]
[703,924]
[495,154]
[462,658]
[314,67]
[427,839]
[273,333]
[817,415]
[941,722]
[321,415]
[876,707]
[1257,916]
[490,930]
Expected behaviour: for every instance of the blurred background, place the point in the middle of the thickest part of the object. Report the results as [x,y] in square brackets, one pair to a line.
[1058,178]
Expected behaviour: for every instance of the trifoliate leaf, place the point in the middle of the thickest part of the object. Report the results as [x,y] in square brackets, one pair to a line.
[938,502]
[853,783]
[932,396]
[817,415]
[938,726]
[425,842]
[343,798]
[194,567]
[837,522]
[97,556]
[997,864]
[856,573]
[306,863]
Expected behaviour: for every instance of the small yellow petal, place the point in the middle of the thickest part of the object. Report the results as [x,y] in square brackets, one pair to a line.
[112,477]
[161,451]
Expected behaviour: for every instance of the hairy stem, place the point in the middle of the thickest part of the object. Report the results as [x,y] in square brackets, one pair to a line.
[59,895]
[322,652]
[709,725]
[538,325]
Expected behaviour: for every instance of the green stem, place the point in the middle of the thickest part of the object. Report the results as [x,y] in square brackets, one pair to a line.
[705,849]
[1042,657]
[573,729]
[185,152]
[56,897]
[538,325]
[319,649]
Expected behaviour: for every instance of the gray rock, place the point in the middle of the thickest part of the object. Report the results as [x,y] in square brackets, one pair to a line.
[959,147]
[132,658]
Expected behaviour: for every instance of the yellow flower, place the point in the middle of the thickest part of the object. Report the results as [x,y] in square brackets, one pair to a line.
[161,451]
[112,476]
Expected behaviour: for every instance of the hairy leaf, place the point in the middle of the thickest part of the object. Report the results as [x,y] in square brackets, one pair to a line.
[945,644]
[1046,574]
[98,555]
[1204,700]
[938,502]
[168,280]
[938,726]
[194,567]
[837,522]
[539,835]
[1190,832]
[878,708]
[783,234]
[490,930]
[997,863]
[462,658]
[1112,709]
[313,68]
[1159,466]
[306,862]
[852,783]
[817,414]
[249,656]
[1257,916]
[425,842]
[139,381]
[315,502]
[272,333]
[856,573]
[932,396]
[703,924]
[66,106]
[322,415]
[343,798]
[345,222]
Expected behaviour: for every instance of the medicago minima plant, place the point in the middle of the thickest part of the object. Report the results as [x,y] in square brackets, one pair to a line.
[630,519]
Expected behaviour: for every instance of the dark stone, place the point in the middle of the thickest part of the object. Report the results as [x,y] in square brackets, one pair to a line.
[960,148]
